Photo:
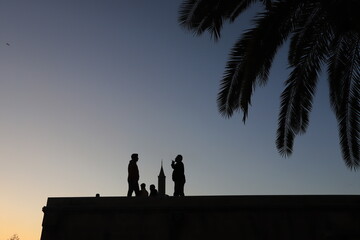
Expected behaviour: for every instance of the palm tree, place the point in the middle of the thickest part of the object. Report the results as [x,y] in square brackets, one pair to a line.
[322,33]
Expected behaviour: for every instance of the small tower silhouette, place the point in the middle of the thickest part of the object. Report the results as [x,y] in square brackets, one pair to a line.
[161,181]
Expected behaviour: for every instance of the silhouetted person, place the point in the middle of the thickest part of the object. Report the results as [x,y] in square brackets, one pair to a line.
[153,191]
[133,177]
[143,191]
[178,176]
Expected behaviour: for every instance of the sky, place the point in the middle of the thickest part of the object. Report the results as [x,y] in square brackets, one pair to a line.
[86,83]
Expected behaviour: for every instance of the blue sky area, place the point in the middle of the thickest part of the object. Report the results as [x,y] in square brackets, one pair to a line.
[84,84]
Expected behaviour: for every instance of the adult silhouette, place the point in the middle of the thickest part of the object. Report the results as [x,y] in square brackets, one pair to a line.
[178,176]
[133,175]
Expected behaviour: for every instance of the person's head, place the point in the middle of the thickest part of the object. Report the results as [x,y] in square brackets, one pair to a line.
[152,187]
[143,185]
[178,158]
[134,156]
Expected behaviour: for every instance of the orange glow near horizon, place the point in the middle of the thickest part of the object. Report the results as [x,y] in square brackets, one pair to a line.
[19,224]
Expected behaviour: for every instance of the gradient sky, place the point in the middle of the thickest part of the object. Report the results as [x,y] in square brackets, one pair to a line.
[86,83]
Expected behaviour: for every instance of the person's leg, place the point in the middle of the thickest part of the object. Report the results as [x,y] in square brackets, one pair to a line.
[176,189]
[136,188]
[181,189]
[131,189]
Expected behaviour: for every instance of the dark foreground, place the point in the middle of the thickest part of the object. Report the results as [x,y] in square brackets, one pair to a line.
[203,217]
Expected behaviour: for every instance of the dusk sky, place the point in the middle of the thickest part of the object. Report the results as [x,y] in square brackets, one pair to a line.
[84,84]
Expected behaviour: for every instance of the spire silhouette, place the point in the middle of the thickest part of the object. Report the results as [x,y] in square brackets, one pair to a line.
[161,181]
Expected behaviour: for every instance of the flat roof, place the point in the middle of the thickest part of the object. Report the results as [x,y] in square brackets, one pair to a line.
[205,202]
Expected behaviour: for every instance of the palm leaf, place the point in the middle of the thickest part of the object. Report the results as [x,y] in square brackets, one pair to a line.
[251,57]
[321,31]
[344,78]
[310,15]
[296,99]
[208,15]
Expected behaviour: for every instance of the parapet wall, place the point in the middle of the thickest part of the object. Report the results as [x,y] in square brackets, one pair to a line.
[203,217]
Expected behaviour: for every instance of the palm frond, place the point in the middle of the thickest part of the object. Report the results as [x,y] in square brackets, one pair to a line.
[241,6]
[251,57]
[337,66]
[267,3]
[321,31]
[296,99]
[344,78]
[311,16]
[199,16]
[343,15]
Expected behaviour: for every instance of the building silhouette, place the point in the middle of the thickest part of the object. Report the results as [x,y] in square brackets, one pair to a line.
[282,217]
[161,181]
